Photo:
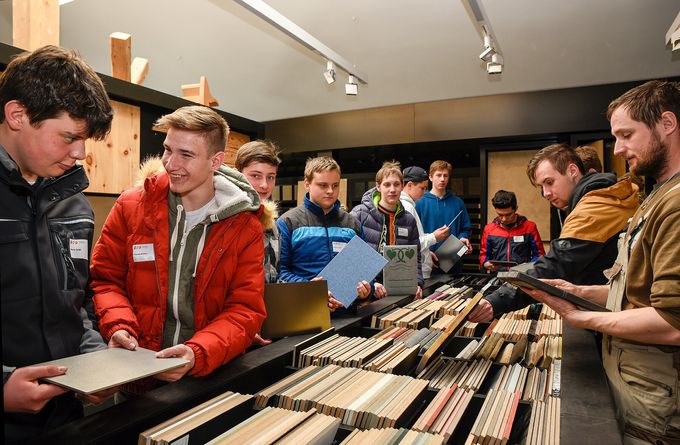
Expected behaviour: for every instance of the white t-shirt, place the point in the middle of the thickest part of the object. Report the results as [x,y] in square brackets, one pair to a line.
[196,216]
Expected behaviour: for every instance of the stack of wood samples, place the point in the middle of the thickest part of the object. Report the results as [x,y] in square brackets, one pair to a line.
[494,421]
[393,350]
[510,378]
[540,384]
[444,373]
[199,424]
[544,424]
[392,436]
[404,317]
[281,426]
[360,398]
[444,413]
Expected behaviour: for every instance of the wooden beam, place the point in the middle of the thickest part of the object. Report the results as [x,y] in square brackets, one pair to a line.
[35,23]
[121,55]
[139,70]
[199,93]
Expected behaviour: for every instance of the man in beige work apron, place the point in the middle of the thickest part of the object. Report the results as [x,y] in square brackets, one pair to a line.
[642,333]
[643,378]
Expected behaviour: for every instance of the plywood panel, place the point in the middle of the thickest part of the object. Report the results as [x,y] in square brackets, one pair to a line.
[112,164]
[507,171]
[234,142]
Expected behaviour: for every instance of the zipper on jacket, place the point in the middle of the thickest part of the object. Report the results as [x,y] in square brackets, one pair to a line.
[64,262]
[161,297]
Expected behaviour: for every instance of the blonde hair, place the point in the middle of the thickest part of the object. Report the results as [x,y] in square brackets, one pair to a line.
[440,165]
[318,165]
[257,151]
[389,168]
[200,119]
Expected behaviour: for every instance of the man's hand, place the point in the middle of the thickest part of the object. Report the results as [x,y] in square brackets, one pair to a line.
[489,266]
[566,309]
[364,289]
[24,394]
[482,313]
[333,304]
[435,260]
[122,339]
[419,293]
[380,291]
[258,340]
[442,233]
[467,244]
[97,398]
[178,351]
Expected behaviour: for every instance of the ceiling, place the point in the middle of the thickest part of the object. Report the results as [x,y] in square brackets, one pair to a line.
[410,50]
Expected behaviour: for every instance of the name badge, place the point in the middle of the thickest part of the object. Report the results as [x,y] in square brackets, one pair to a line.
[518,238]
[78,248]
[338,246]
[142,252]
[402,231]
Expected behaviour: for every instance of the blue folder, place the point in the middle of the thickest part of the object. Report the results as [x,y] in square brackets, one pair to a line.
[357,261]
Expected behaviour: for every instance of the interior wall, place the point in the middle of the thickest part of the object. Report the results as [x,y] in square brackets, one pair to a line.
[554,111]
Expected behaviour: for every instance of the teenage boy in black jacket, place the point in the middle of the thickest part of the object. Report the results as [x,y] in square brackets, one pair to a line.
[51,101]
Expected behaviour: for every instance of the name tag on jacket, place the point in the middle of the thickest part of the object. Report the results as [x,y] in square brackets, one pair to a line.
[142,252]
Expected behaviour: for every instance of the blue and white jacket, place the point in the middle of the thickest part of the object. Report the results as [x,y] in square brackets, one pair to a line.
[310,239]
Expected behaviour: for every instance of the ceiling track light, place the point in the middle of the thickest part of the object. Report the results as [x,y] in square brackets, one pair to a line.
[491,53]
[329,74]
[287,26]
[351,87]
[495,66]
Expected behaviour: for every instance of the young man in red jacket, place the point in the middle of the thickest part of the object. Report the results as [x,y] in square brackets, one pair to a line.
[510,236]
[178,266]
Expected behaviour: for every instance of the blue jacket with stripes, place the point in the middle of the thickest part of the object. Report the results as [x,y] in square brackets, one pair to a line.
[310,239]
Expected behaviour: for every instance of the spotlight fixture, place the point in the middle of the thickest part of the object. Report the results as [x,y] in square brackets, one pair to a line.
[489,51]
[487,54]
[329,74]
[495,66]
[351,87]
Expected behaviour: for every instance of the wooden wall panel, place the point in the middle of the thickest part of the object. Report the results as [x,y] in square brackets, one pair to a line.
[507,171]
[234,142]
[112,164]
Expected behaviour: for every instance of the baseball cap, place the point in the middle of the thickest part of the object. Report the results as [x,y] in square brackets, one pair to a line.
[415,174]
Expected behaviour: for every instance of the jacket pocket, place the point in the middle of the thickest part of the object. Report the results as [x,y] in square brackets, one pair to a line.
[648,387]
[13,231]
[71,238]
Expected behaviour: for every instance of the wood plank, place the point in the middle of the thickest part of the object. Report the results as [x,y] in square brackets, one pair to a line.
[112,164]
[35,23]
[138,70]
[121,55]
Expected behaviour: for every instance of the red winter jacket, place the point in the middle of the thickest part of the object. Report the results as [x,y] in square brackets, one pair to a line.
[521,243]
[228,288]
